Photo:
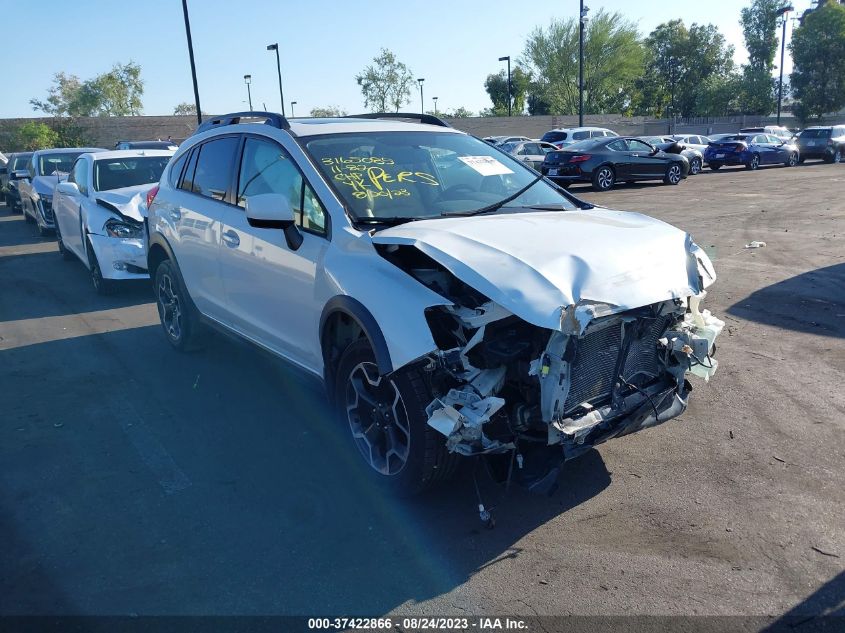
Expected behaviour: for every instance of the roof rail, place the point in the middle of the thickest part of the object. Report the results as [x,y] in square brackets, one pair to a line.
[428,119]
[270,118]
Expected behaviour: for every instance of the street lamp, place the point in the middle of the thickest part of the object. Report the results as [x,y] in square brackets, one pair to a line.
[292,103]
[435,105]
[191,56]
[422,102]
[582,21]
[510,95]
[275,47]
[247,81]
[782,13]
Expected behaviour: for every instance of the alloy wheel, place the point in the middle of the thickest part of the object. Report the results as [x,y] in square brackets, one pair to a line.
[793,159]
[755,162]
[674,175]
[378,419]
[695,166]
[605,178]
[837,156]
[169,308]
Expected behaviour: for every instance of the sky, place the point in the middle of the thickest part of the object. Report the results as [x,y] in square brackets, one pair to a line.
[323,44]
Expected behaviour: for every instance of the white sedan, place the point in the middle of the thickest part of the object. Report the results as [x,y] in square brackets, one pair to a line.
[100,212]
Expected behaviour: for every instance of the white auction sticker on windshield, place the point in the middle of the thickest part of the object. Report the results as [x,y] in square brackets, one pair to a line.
[485,165]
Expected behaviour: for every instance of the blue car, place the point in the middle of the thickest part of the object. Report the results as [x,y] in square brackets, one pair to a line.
[751,150]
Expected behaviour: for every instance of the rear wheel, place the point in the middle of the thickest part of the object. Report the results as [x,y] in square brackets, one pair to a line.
[715,166]
[178,316]
[754,163]
[63,251]
[386,419]
[603,178]
[673,174]
[837,156]
[695,166]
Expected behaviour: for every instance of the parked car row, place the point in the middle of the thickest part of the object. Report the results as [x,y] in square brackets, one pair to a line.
[453,301]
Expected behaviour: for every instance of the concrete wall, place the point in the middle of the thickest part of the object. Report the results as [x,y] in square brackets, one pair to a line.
[106,131]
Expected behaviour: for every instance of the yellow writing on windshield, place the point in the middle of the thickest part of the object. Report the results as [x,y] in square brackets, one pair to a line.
[375,176]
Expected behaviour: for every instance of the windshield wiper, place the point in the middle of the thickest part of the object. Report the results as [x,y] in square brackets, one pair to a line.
[387,221]
[498,205]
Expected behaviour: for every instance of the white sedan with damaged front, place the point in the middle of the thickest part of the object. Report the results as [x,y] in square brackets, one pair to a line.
[454,302]
[100,209]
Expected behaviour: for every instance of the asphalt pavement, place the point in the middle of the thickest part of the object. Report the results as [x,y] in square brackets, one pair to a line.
[137,480]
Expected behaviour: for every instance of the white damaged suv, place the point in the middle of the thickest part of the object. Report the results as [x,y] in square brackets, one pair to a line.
[454,302]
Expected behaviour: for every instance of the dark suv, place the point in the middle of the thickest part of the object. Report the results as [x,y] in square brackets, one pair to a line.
[826,143]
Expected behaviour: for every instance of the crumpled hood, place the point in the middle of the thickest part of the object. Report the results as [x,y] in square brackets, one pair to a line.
[130,202]
[536,265]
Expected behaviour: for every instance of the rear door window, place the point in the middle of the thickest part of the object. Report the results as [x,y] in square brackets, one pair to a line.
[176,169]
[618,146]
[216,161]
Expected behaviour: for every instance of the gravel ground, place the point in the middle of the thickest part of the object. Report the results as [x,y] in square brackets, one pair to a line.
[135,480]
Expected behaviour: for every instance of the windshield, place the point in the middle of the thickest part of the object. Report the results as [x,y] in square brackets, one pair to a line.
[424,174]
[49,164]
[19,162]
[128,172]
[818,133]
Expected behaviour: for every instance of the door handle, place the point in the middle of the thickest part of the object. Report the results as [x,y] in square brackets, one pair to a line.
[231,239]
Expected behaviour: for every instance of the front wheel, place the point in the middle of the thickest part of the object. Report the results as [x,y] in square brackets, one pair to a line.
[386,419]
[63,251]
[792,161]
[673,174]
[715,166]
[695,166]
[837,156]
[754,163]
[102,286]
[603,178]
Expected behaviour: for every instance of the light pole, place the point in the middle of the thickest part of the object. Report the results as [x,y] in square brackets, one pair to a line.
[247,81]
[582,20]
[672,92]
[275,47]
[191,56]
[292,103]
[422,101]
[510,90]
[435,105]
[782,13]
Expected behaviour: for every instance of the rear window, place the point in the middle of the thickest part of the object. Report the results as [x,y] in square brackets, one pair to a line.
[554,137]
[128,172]
[817,133]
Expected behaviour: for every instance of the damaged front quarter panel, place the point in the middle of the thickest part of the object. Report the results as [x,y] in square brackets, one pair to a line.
[510,368]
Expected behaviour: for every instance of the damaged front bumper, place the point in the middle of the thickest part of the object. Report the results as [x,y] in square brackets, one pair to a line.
[120,258]
[601,376]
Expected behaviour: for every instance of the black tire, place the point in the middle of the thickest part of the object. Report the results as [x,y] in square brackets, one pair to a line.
[102,286]
[792,161]
[603,178]
[695,166]
[715,166]
[63,251]
[801,160]
[837,156]
[182,328]
[754,163]
[426,461]
[674,173]
[27,218]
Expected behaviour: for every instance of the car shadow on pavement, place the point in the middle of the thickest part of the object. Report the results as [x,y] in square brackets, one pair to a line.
[218,482]
[823,610]
[812,302]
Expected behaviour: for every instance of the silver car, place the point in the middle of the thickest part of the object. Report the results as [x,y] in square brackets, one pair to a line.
[532,153]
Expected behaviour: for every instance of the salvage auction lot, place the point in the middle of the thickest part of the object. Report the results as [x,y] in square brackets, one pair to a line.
[136,480]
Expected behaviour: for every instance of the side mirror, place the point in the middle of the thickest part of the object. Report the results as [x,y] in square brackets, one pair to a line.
[273,211]
[68,188]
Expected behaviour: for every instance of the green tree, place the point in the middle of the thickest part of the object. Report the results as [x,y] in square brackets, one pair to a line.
[328,112]
[818,54]
[759,27]
[680,62]
[186,108]
[613,59]
[33,136]
[496,86]
[114,93]
[460,113]
[385,83]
